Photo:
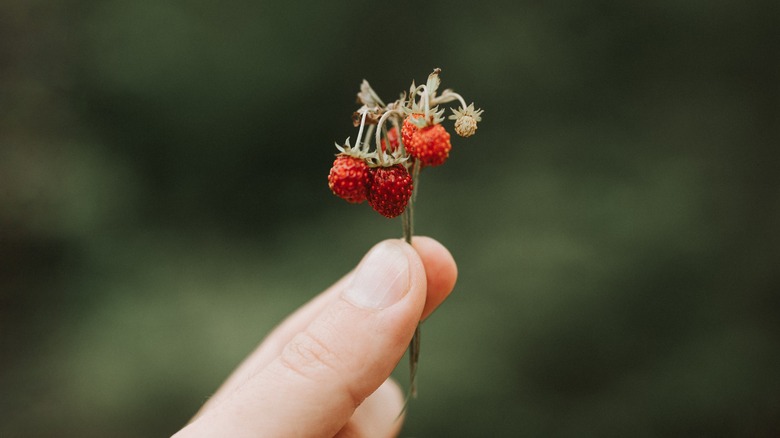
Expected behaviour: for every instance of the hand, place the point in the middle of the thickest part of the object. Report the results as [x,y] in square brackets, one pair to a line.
[325,370]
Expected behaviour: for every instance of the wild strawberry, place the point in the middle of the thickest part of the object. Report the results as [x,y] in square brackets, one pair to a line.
[392,137]
[466,120]
[391,188]
[409,128]
[431,144]
[349,178]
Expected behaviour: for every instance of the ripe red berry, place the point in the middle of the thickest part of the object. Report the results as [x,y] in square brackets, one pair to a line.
[392,137]
[431,144]
[349,178]
[391,188]
[408,129]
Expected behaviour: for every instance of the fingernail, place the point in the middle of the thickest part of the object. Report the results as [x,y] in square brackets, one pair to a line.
[381,279]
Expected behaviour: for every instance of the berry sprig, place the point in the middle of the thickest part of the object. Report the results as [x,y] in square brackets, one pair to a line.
[387,175]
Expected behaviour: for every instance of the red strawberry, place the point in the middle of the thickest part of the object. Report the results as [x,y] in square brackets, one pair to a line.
[409,128]
[392,137]
[431,144]
[349,178]
[391,188]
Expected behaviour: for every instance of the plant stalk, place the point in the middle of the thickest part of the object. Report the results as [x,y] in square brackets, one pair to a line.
[408,229]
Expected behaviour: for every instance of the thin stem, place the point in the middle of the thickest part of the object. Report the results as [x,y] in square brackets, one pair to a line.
[381,123]
[362,125]
[407,218]
[367,142]
[416,178]
[449,96]
[408,224]
[414,359]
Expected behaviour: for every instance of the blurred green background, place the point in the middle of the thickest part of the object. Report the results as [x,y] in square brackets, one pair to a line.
[163,204]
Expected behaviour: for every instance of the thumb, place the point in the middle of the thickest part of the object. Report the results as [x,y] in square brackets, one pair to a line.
[345,354]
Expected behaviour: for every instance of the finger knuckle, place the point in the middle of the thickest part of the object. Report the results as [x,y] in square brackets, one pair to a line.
[309,355]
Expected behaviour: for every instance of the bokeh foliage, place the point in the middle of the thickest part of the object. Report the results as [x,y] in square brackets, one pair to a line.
[163,204]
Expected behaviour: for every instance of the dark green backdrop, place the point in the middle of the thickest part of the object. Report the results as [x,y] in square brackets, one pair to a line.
[616,221]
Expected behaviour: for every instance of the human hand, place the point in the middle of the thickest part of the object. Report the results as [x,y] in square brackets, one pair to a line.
[325,370]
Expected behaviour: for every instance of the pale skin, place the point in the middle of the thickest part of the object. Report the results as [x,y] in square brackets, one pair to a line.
[325,370]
